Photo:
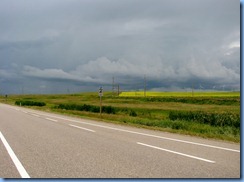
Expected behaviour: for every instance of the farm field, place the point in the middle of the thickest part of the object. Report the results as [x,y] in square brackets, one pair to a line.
[180,94]
[205,114]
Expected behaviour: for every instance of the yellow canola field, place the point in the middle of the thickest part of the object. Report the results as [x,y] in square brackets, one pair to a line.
[179,94]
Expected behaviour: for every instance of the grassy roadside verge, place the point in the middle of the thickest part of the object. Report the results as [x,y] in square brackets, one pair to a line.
[221,115]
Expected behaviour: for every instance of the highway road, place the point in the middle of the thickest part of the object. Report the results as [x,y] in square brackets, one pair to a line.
[36,144]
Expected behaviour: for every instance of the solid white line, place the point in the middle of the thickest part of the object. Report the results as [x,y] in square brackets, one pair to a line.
[81,128]
[178,153]
[25,112]
[144,134]
[51,119]
[14,158]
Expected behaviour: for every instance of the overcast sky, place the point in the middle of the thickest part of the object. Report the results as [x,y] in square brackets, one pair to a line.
[61,46]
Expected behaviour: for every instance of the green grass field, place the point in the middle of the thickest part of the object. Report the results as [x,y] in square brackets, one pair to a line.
[209,115]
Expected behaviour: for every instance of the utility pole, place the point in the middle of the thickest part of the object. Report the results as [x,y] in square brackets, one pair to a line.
[113,85]
[22,90]
[145,85]
[192,90]
[118,90]
[223,87]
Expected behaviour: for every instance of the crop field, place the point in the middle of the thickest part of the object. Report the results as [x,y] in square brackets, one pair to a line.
[179,94]
[204,114]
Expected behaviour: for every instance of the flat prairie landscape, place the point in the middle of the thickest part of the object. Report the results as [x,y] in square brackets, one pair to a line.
[205,114]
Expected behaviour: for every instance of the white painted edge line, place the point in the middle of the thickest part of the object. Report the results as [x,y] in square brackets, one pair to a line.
[81,128]
[14,158]
[145,134]
[178,153]
[51,119]
[24,111]
[35,115]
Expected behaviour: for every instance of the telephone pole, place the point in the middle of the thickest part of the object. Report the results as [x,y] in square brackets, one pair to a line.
[118,90]
[113,85]
[145,85]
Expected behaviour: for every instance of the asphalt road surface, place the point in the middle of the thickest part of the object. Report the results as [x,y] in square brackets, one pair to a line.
[38,144]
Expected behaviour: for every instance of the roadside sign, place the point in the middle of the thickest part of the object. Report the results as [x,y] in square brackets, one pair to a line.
[100,91]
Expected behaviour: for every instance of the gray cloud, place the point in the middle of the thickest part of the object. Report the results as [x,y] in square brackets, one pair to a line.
[174,43]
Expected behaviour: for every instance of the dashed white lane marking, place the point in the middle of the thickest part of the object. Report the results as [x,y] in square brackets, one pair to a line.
[145,134]
[81,128]
[51,119]
[35,115]
[149,135]
[178,153]
[14,158]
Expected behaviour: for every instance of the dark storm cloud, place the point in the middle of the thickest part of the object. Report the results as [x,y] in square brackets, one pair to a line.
[25,44]
[173,42]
